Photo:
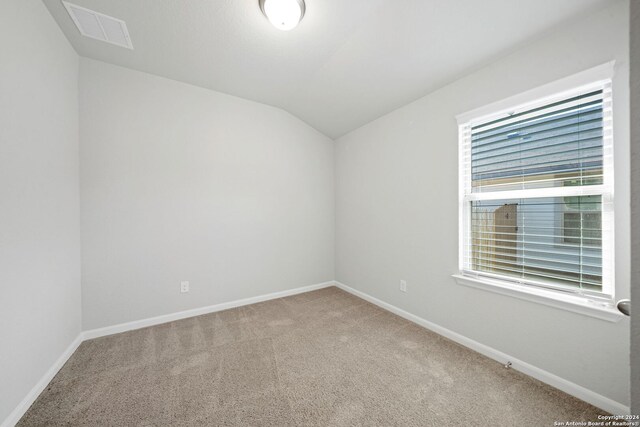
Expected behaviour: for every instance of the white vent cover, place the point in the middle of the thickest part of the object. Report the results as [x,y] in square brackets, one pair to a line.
[99,26]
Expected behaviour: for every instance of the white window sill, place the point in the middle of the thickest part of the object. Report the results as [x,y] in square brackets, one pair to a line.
[571,303]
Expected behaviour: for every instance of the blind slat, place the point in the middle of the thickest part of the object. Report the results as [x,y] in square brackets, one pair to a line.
[521,260]
[590,138]
[545,110]
[523,275]
[557,127]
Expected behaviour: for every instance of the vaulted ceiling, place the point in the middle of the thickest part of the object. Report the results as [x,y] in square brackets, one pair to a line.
[347,63]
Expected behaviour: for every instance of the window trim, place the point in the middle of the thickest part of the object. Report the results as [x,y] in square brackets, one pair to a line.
[565,301]
[582,302]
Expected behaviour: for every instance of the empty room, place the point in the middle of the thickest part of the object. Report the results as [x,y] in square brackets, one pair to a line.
[319,213]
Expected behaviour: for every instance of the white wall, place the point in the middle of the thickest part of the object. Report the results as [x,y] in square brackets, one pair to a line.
[183,183]
[635,204]
[397,212]
[39,198]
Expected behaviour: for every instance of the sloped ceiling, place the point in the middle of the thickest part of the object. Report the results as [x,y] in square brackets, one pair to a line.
[347,63]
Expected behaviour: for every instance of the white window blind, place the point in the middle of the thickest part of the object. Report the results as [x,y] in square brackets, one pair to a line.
[537,194]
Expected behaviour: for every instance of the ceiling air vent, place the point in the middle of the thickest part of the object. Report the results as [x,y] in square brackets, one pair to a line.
[99,26]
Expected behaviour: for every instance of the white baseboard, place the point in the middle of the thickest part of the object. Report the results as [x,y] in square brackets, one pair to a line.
[553,380]
[151,321]
[31,397]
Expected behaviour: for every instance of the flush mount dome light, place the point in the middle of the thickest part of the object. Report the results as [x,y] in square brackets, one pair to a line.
[283,14]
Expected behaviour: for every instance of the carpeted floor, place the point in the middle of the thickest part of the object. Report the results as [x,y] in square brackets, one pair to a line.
[323,358]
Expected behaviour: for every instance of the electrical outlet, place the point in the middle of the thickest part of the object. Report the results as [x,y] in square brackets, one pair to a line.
[184,287]
[403,286]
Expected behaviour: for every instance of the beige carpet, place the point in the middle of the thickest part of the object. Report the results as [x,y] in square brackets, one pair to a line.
[323,358]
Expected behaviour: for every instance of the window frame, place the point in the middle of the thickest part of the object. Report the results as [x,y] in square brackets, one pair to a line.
[595,78]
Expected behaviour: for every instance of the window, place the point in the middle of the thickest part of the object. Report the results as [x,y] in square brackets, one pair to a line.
[536,194]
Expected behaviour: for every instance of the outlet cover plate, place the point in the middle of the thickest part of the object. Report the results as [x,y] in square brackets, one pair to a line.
[184,287]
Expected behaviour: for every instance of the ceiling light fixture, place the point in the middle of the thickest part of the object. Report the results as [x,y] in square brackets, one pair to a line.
[283,14]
